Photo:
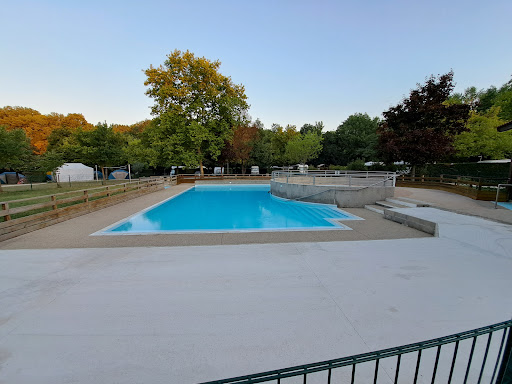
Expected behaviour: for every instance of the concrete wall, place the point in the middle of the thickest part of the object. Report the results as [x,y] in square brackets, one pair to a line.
[348,197]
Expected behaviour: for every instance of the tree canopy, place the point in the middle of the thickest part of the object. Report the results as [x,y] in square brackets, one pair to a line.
[207,104]
[422,128]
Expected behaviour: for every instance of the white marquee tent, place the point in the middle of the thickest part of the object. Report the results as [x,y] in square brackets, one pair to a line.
[74,172]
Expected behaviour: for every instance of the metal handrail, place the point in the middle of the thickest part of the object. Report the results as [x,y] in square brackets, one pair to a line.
[329,365]
[498,192]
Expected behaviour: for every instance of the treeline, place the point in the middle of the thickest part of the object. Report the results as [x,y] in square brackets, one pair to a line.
[202,122]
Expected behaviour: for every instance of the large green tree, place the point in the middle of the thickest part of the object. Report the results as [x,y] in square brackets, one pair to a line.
[482,138]
[422,128]
[207,105]
[303,148]
[357,137]
[15,149]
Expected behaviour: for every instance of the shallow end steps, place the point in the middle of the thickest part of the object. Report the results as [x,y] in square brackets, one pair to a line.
[423,225]
[391,204]
[410,202]
[375,208]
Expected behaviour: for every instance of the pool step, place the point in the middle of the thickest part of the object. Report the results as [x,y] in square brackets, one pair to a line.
[391,204]
[398,202]
[375,208]
[408,202]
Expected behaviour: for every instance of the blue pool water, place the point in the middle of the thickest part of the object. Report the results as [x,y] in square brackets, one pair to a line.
[212,208]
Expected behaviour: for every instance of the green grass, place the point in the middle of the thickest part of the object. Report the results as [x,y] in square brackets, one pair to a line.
[47,189]
[44,191]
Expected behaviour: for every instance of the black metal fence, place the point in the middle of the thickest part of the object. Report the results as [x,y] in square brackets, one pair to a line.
[481,355]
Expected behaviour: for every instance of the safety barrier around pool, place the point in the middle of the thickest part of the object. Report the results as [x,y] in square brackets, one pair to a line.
[343,188]
[482,355]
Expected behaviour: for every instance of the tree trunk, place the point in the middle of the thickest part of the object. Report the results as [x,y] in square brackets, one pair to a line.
[243,168]
[201,169]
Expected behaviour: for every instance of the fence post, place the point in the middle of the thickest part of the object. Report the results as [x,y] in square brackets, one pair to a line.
[86,196]
[479,183]
[5,207]
[505,372]
[54,200]
[108,191]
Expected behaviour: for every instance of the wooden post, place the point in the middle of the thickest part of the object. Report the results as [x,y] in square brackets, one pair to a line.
[108,191]
[54,199]
[5,207]
[86,196]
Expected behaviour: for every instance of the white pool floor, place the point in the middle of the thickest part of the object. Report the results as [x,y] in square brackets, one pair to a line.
[191,314]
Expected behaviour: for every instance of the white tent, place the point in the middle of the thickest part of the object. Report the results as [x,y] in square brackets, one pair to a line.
[74,172]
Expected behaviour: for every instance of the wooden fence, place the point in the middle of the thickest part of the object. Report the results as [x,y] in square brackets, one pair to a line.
[477,189]
[27,215]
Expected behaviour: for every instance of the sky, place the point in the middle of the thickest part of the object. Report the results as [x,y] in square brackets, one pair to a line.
[299,61]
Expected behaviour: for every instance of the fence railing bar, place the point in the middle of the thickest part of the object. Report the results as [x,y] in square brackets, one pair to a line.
[366,357]
[504,377]
[417,367]
[485,357]
[376,371]
[397,370]
[453,361]
[499,355]
[470,359]
[434,372]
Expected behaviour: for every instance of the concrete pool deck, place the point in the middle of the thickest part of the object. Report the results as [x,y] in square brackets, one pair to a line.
[186,314]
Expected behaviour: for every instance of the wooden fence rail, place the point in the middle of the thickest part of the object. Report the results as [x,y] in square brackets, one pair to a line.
[25,215]
[475,189]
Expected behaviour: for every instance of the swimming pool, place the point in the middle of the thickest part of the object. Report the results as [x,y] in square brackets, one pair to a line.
[230,208]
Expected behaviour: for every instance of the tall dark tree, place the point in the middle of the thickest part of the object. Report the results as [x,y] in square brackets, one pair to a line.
[421,129]
[357,137]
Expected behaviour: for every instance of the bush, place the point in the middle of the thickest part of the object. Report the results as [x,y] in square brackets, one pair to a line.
[483,170]
[356,165]
[337,167]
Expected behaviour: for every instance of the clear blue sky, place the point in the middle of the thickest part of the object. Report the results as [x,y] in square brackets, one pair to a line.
[300,61]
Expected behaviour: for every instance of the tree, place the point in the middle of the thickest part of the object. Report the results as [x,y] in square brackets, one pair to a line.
[422,128]
[482,138]
[303,148]
[331,153]
[15,149]
[262,152]
[240,147]
[315,128]
[39,127]
[357,137]
[280,138]
[100,146]
[207,105]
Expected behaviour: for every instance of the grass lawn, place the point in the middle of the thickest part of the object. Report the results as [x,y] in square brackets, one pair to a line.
[44,191]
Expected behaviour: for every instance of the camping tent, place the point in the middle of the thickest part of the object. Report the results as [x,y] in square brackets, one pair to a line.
[118,174]
[74,172]
[10,177]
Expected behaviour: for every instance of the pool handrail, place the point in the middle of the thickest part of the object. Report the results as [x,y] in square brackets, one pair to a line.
[498,192]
